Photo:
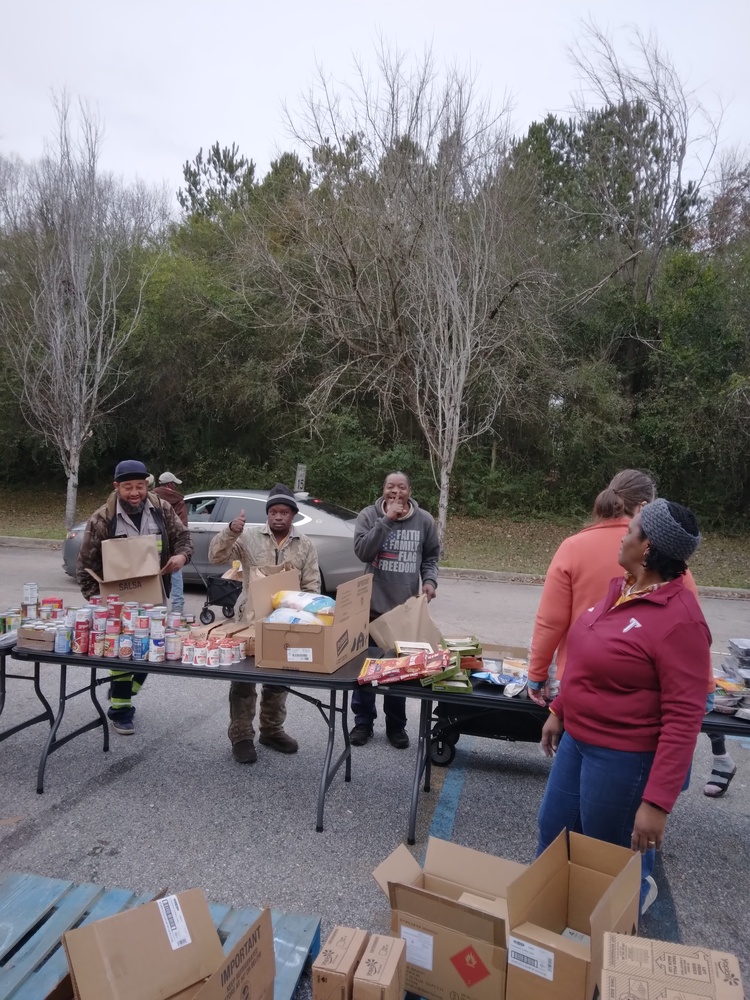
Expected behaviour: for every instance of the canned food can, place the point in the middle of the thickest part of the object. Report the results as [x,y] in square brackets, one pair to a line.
[95,600]
[174,619]
[172,646]
[99,620]
[96,644]
[226,654]
[30,593]
[84,615]
[13,619]
[126,646]
[157,629]
[81,641]
[114,626]
[142,621]
[200,654]
[188,652]
[62,639]
[70,616]
[29,609]
[155,650]
[45,612]
[140,644]
[239,651]
[213,656]
[111,644]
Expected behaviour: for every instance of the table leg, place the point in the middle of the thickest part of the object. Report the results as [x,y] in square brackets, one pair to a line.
[48,746]
[327,775]
[2,682]
[38,690]
[421,765]
[347,744]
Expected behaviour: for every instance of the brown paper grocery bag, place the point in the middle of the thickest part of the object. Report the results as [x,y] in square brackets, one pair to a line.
[409,622]
[123,558]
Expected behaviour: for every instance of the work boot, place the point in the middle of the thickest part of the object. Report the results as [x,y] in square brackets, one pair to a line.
[280,741]
[398,738]
[244,752]
[360,734]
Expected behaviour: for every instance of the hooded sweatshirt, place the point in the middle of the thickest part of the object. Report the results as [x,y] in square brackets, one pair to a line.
[400,555]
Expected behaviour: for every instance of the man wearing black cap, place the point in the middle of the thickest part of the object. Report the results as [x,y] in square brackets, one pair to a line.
[274,543]
[131,511]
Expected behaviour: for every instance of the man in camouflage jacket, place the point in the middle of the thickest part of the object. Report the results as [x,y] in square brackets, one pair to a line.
[131,511]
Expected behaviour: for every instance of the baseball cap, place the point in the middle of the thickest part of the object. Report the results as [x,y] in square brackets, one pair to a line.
[168,477]
[130,469]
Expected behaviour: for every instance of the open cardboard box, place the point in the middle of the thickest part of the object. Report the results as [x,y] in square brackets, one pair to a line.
[452,914]
[131,570]
[320,648]
[653,970]
[579,886]
[167,950]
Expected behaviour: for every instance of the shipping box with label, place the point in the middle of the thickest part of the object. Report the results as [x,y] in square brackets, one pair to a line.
[169,950]
[320,648]
[131,570]
[333,970]
[643,969]
[381,973]
[581,886]
[454,921]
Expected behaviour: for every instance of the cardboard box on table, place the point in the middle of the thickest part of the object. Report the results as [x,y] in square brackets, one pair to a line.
[380,974]
[167,950]
[643,969]
[333,970]
[452,915]
[40,639]
[131,570]
[580,886]
[320,648]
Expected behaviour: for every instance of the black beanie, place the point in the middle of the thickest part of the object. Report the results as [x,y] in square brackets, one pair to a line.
[281,494]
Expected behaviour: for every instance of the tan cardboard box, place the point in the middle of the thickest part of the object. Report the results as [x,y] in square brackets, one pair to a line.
[333,970]
[381,973]
[643,969]
[168,950]
[131,570]
[584,885]
[449,870]
[28,637]
[452,950]
[321,648]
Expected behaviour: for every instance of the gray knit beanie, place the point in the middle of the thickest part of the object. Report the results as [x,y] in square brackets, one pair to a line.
[667,534]
[281,494]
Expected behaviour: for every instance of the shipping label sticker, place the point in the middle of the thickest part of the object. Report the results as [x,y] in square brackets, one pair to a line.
[419,947]
[532,958]
[174,922]
[302,655]
[469,966]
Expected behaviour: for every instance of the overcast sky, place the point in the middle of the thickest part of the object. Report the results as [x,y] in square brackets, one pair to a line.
[168,77]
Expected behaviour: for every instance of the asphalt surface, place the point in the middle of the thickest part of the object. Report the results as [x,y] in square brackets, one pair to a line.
[169,806]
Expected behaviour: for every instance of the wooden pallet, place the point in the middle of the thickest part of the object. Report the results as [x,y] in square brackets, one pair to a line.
[35,912]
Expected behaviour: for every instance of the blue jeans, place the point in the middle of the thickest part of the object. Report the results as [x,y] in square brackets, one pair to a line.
[597,792]
[178,591]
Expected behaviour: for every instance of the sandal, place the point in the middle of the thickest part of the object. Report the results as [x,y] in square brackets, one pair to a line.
[718,783]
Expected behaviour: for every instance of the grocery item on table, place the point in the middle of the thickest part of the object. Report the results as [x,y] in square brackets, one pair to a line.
[288,616]
[302,600]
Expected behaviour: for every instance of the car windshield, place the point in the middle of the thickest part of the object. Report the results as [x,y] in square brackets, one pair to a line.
[334,509]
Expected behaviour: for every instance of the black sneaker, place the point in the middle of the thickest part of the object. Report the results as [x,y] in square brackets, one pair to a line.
[125,727]
[360,735]
[398,738]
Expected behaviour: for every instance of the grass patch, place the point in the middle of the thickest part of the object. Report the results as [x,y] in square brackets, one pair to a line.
[498,544]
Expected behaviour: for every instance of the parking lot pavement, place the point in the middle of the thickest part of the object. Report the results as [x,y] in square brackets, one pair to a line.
[169,807]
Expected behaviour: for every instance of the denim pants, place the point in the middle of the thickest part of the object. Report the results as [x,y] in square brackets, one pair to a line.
[597,792]
[178,591]
[365,713]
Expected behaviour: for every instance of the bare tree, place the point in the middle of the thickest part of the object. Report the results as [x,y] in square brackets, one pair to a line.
[408,263]
[72,236]
[647,147]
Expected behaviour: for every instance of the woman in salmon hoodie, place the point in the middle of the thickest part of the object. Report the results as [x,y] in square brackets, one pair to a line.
[578,577]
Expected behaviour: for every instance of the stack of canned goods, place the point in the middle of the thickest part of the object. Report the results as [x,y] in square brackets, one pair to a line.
[218,652]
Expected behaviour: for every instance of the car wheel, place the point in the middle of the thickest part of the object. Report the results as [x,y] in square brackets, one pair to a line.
[206,616]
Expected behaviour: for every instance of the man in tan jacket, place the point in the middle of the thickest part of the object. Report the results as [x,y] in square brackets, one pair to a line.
[276,543]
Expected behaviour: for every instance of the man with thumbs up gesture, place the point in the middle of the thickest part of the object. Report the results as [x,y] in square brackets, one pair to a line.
[275,543]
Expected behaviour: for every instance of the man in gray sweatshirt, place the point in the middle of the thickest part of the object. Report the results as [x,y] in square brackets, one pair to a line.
[398,542]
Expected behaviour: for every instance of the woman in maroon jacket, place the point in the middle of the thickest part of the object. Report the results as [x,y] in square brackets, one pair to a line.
[633,696]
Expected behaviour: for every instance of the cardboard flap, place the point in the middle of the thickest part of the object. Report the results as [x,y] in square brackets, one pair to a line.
[399,866]
[100,955]
[249,969]
[531,884]
[410,622]
[474,869]
[409,900]
[264,587]
[353,598]
[598,855]
[123,558]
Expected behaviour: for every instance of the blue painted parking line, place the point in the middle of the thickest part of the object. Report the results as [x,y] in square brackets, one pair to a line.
[444,815]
